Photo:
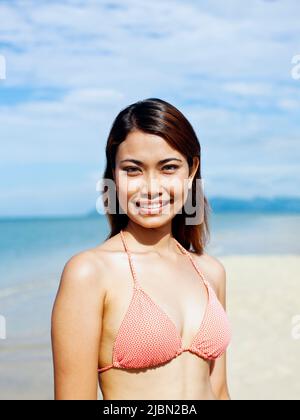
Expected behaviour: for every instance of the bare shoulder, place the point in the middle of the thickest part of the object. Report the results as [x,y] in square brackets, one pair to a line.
[84,271]
[92,266]
[215,271]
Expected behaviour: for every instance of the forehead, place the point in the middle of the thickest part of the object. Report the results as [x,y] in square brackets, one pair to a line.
[146,147]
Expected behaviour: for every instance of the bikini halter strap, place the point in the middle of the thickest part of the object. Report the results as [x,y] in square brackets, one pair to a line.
[183,250]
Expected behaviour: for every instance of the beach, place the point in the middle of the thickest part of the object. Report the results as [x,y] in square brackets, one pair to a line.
[263,296]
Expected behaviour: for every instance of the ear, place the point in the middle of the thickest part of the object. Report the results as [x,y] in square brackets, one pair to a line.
[194,168]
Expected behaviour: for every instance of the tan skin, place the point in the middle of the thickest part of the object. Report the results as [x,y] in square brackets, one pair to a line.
[96,288]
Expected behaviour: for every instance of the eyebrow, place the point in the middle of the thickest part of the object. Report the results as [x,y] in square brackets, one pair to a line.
[138,162]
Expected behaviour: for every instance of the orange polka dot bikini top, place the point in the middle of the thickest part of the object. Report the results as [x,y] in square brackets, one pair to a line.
[147,337]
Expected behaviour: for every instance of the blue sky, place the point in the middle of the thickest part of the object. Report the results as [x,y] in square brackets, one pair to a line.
[71,66]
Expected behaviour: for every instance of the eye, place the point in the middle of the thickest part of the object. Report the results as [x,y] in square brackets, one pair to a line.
[171,166]
[132,169]
[127,169]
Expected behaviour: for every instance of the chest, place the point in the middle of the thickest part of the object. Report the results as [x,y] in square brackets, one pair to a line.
[176,289]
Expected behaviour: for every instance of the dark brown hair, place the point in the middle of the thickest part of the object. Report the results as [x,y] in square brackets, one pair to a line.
[155,116]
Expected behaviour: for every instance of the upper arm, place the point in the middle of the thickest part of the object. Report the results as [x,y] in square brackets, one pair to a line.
[218,370]
[76,329]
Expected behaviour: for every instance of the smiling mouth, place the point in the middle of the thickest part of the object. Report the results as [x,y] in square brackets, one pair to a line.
[149,204]
[148,207]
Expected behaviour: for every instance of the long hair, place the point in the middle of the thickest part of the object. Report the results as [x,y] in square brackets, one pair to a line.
[155,116]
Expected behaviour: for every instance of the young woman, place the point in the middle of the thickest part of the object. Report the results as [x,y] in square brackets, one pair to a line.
[143,314]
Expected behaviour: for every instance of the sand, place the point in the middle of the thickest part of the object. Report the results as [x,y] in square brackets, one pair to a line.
[263,296]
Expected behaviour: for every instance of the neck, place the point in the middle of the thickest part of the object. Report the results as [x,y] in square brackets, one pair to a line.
[156,240]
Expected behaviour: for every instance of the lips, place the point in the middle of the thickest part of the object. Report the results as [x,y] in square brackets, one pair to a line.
[152,204]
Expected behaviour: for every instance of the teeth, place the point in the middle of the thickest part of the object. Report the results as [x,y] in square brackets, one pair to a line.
[153,206]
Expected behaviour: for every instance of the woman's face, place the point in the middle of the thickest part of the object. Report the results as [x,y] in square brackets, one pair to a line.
[152,179]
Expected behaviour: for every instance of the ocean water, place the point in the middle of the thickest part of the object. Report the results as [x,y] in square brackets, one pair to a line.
[32,256]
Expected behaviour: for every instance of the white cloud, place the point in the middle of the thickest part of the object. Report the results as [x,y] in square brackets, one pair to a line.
[70,44]
[227,66]
[242,88]
[289,104]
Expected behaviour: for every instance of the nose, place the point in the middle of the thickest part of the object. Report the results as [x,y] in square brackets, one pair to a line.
[151,189]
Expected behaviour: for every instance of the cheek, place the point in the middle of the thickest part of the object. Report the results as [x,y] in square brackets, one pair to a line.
[128,185]
[178,188]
